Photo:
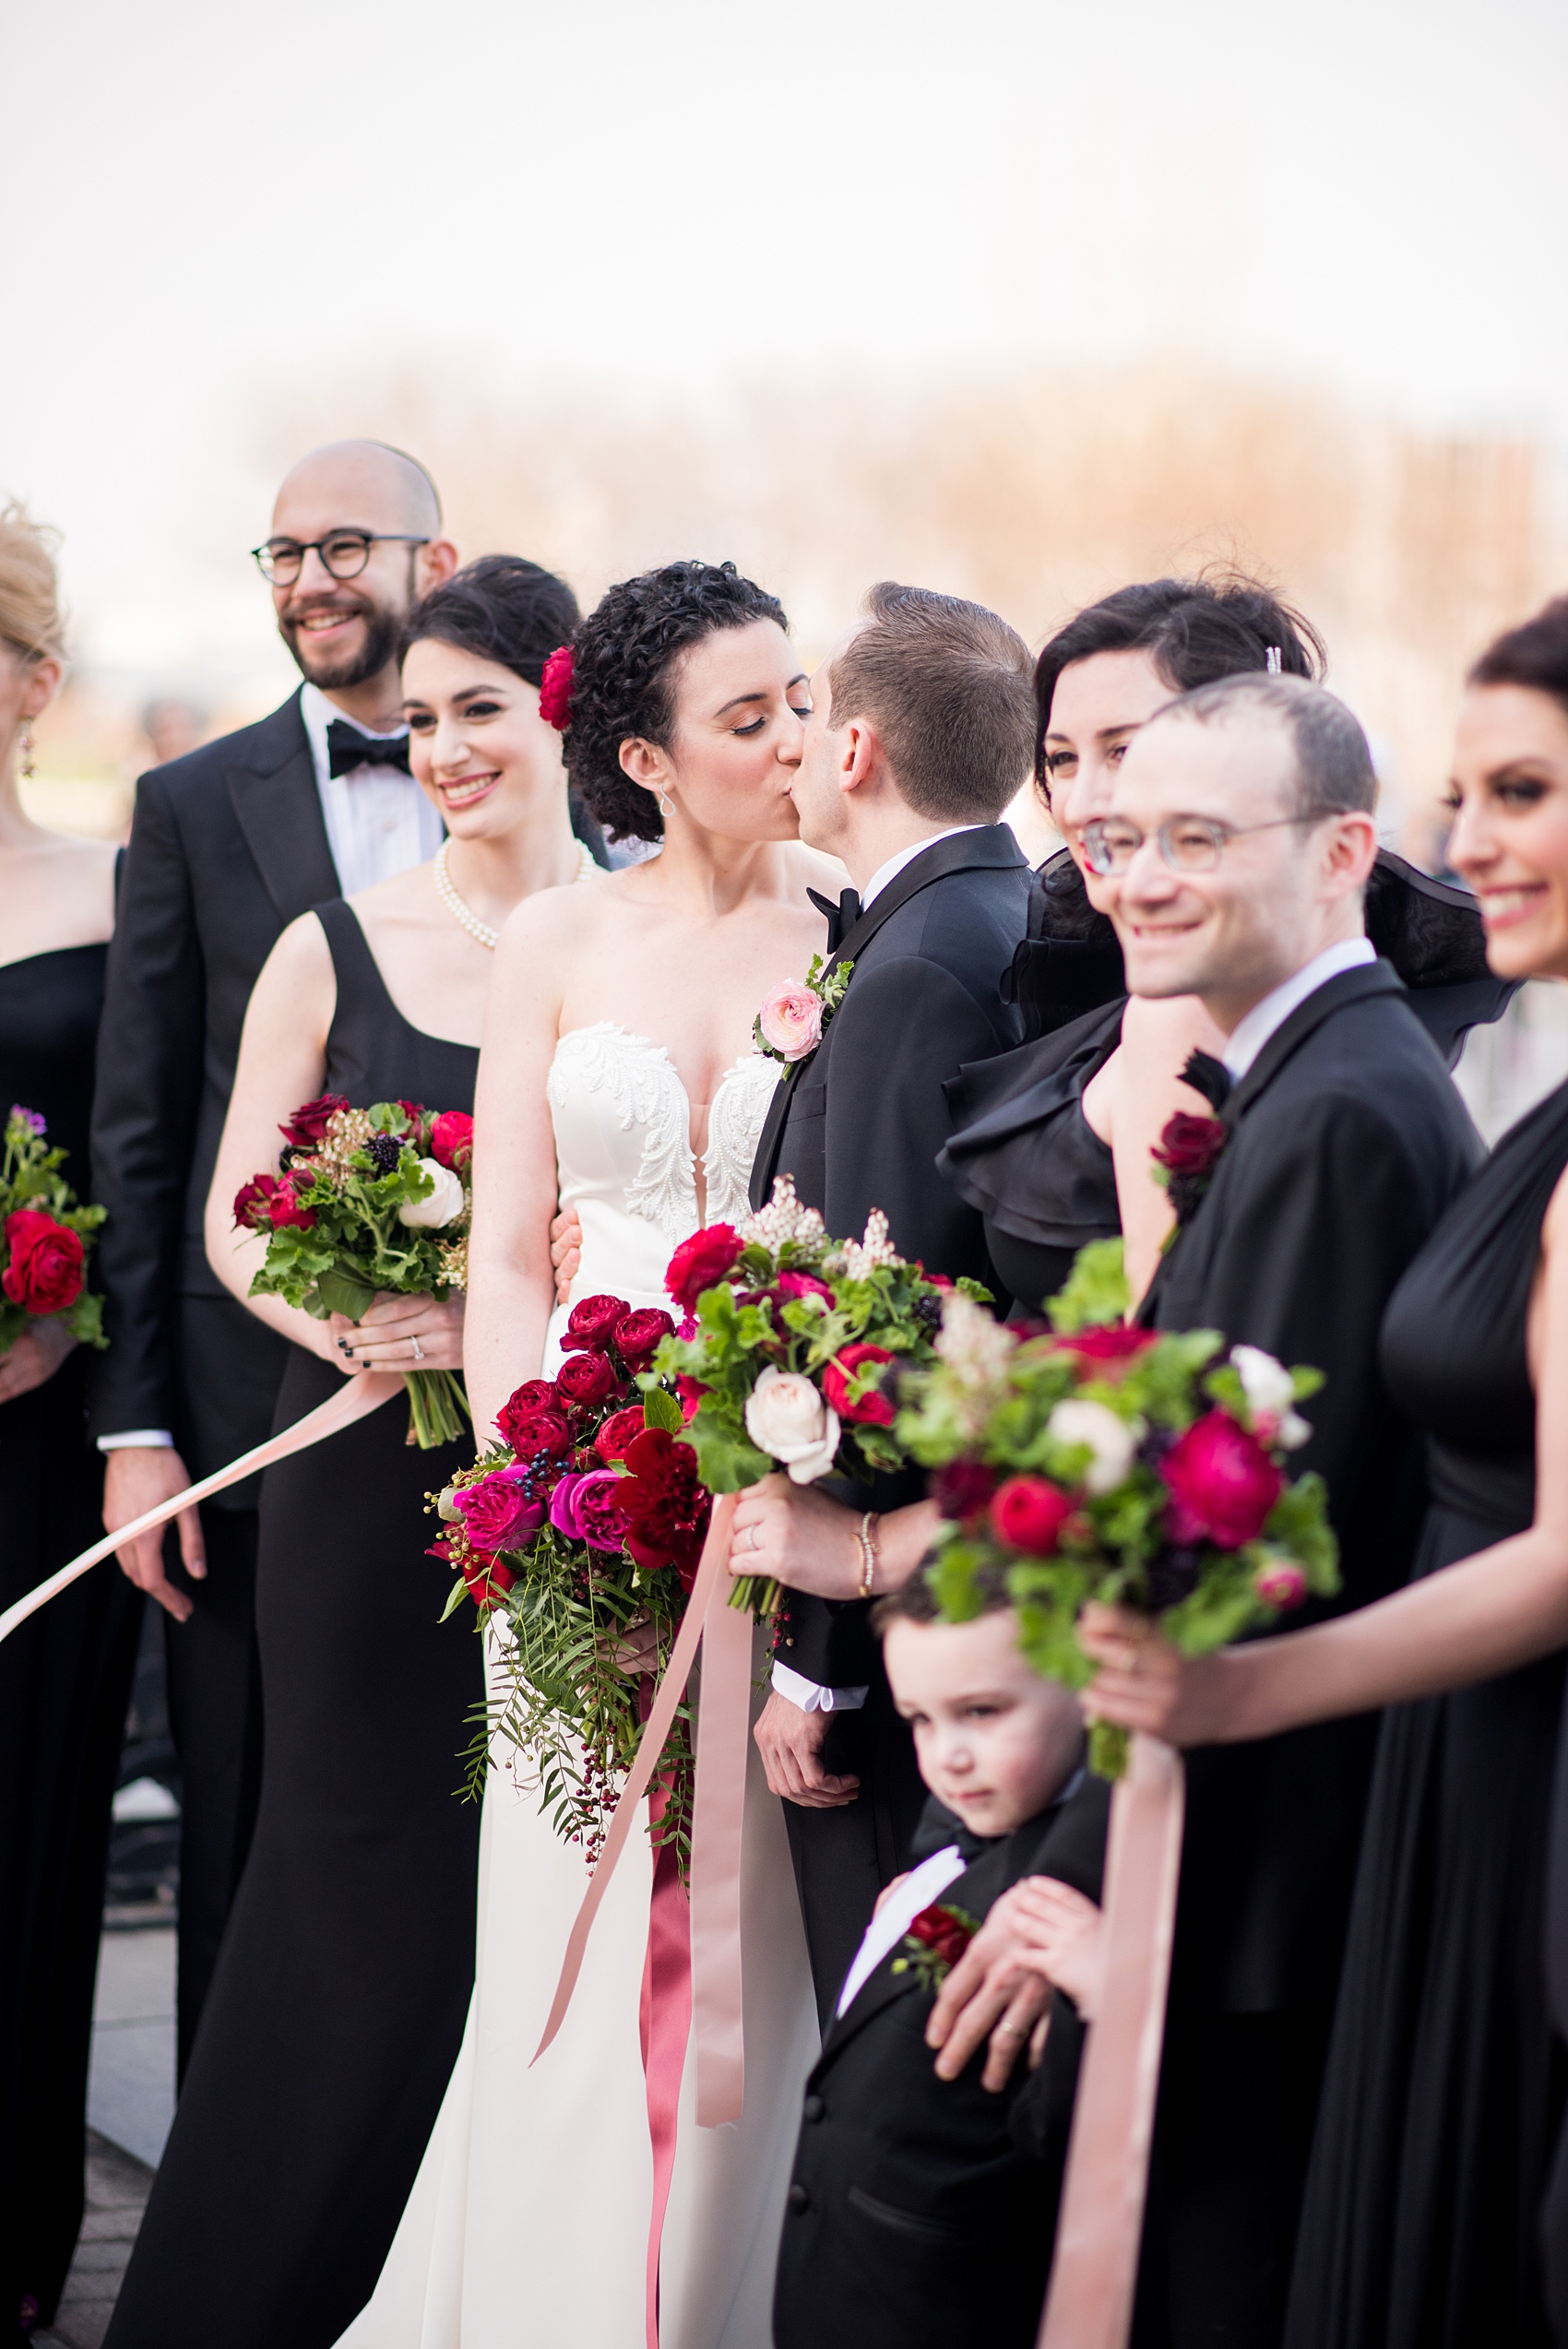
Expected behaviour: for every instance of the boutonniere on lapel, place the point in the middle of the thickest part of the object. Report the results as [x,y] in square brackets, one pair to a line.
[794,1014]
[1189,1148]
[935,1942]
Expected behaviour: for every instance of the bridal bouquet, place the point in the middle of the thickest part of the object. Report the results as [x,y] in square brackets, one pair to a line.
[791,1348]
[365,1200]
[1102,1462]
[45,1238]
[581,1534]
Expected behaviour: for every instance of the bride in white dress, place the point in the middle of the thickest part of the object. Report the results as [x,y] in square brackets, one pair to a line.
[619,1074]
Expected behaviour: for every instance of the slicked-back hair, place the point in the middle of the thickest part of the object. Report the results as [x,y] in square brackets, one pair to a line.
[1534,655]
[502,608]
[1194,630]
[947,686]
[1335,775]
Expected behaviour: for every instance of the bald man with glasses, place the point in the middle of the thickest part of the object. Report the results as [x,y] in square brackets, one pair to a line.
[228,844]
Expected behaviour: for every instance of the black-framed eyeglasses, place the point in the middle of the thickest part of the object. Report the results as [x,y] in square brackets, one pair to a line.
[1187,843]
[344,553]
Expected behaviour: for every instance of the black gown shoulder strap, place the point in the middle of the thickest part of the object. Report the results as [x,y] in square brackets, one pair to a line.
[356,967]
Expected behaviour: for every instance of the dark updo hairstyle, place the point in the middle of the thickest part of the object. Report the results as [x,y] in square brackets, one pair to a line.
[1534,655]
[1196,631]
[501,608]
[622,658]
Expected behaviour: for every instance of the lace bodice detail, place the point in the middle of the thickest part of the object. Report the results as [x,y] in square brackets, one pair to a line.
[623,1153]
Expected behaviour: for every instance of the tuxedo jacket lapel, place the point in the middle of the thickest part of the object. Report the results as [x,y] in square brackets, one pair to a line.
[985,845]
[1349,987]
[277,807]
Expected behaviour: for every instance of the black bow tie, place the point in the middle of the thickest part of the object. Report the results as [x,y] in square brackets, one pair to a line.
[348,748]
[1210,1077]
[841,917]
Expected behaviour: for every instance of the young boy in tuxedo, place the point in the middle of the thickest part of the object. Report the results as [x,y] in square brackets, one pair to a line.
[922,2210]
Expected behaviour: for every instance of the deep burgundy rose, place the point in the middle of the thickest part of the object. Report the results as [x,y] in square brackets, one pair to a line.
[253,1203]
[620,1429]
[452,1140]
[963,1489]
[533,1421]
[586,1379]
[701,1264]
[498,1511]
[792,1287]
[874,1407]
[666,1506]
[640,1337]
[1189,1149]
[593,1322]
[588,1509]
[1222,1482]
[1111,1345]
[285,1210]
[308,1123]
[44,1275]
[943,1932]
[1028,1512]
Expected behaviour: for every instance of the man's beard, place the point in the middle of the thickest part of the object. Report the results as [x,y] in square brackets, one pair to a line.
[337,674]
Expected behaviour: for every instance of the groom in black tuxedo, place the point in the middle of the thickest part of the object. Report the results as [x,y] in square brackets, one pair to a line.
[921,733]
[228,845]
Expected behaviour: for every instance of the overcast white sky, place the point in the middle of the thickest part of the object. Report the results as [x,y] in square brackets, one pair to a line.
[204,203]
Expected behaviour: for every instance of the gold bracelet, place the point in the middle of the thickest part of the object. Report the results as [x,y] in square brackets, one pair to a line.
[865,1535]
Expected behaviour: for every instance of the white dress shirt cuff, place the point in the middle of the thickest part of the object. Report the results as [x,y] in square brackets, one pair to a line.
[159,1437]
[811,1698]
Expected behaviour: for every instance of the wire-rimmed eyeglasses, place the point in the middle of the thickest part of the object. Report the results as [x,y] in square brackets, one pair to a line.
[1187,843]
[344,553]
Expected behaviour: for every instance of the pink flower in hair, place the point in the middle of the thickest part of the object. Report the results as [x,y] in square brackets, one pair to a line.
[555,689]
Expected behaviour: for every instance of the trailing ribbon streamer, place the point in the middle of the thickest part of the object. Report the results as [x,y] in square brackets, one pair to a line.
[724,1728]
[666,2021]
[1089,2304]
[358,1399]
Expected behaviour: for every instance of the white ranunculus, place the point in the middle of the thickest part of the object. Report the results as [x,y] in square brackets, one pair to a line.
[788,1419]
[444,1203]
[1266,1384]
[1112,1442]
[1293,1431]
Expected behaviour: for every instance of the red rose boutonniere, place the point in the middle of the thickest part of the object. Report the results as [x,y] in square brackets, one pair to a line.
[1184,1159]
[935,1942]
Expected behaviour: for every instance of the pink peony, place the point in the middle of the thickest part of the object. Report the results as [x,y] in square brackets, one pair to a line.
[1280,1583]
[588,1509]
[1222,1482]
[790,1022]
[1028,1512]
[497,1513]
[452,1140]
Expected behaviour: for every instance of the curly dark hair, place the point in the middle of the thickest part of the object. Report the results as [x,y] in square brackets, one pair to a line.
[1196,631]
[502,608]
[622,658]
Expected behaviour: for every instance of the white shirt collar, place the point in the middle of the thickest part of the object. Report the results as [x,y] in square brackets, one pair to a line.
[898,1911]
[1250,1034]
[894,865]
[318,713]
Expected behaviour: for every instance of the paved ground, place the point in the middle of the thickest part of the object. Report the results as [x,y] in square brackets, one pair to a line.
[117,2186]
[130,2098]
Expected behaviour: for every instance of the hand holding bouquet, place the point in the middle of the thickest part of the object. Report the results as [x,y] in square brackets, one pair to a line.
[790,1349]
[1126,1466]
[582,1534]
[366,1202]
[45,1238]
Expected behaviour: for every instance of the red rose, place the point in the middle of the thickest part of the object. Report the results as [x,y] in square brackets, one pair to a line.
[620,1429]
[1112,1343]
[253,1203]
[452,1140]
[943,1932]
[1222,1482]
[691,1392]
[533,1423]
[1028,1512]
[640,1337]
[792,1287]
[487,1579]
[555,689]
[594,1323]
[586,1379]
[874,1407]
[701,1264]
[1190,1145]
[963,1489]
[665,1506]
[44,1275]
[308,1123]
[286,1211]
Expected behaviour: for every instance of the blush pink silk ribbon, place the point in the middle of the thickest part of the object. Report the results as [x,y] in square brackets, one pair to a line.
[358,1398]
[1089,2303]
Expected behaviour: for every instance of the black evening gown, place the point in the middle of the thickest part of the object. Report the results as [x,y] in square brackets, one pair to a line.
[65,1683]
[342,1985]
[1445,2089]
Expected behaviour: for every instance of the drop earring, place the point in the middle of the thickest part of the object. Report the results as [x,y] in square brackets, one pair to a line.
[666,807]
[24,747]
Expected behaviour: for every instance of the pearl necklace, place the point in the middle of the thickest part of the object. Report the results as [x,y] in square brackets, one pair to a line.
[465,914]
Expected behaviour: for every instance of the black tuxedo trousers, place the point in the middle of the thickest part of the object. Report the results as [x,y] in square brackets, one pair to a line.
[859,1126]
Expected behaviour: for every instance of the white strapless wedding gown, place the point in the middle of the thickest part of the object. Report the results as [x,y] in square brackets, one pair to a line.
[527,2225]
